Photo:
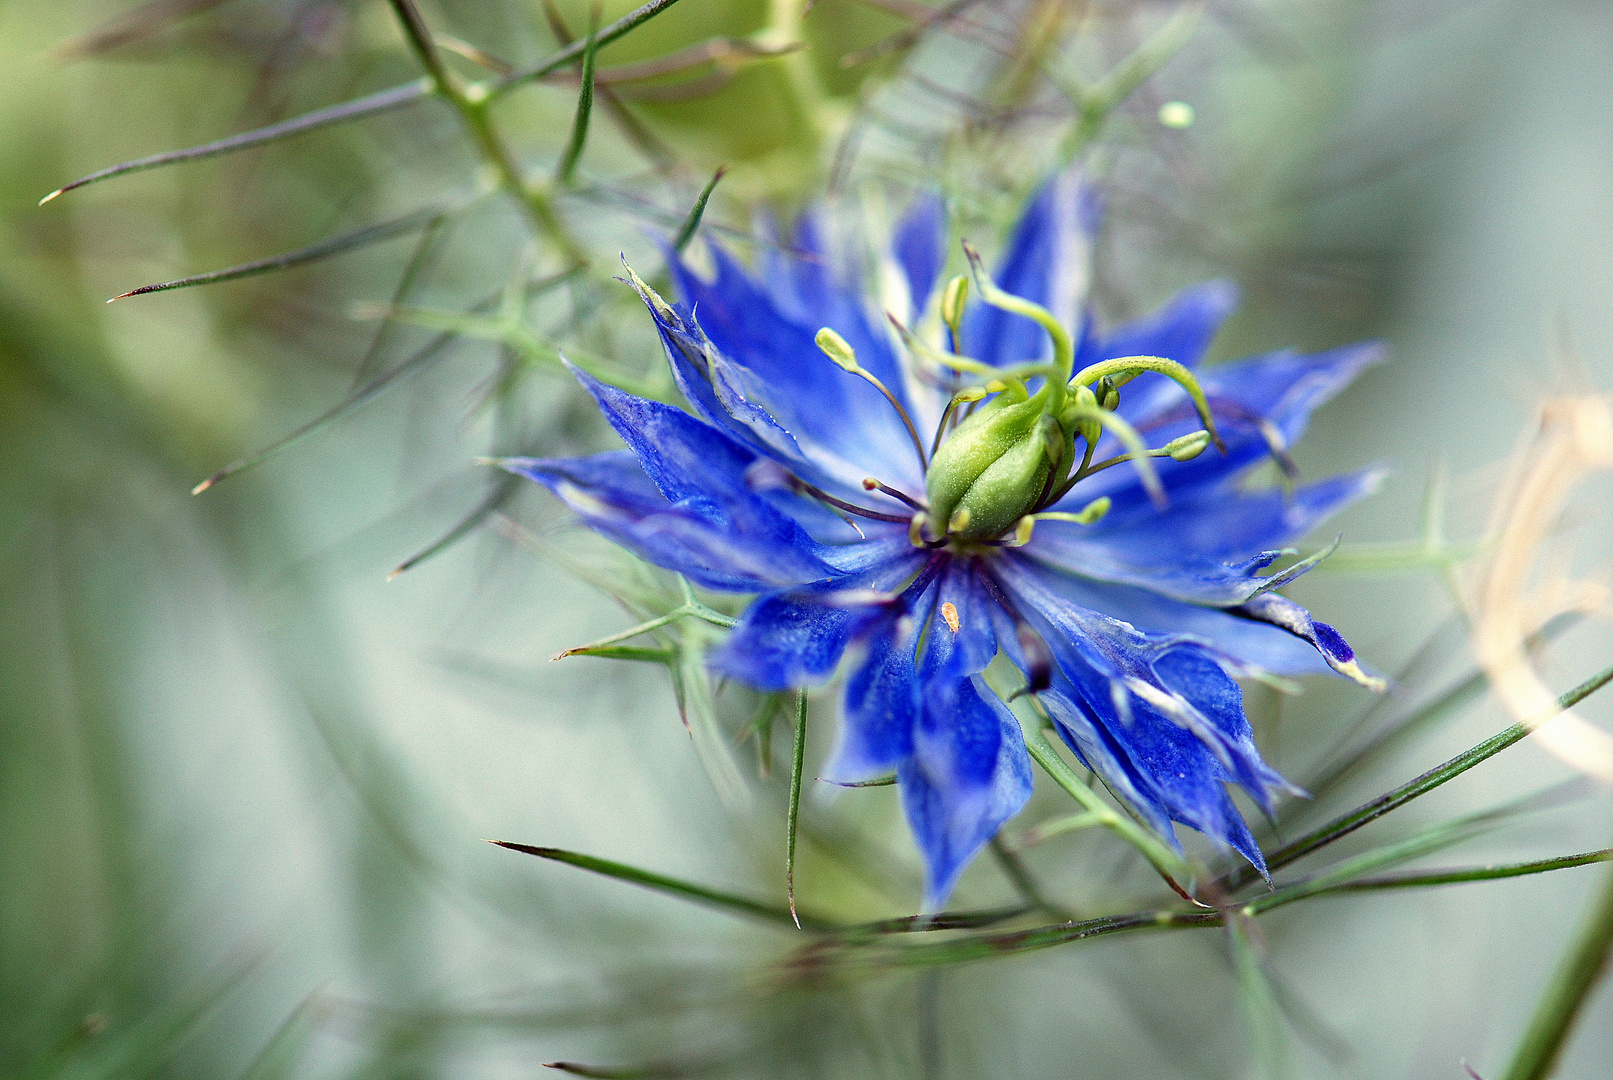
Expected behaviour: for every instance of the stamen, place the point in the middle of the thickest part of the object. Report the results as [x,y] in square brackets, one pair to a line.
[836,348]
[949,613]
[1185,448]
[801,487]
[1229,409]
[870,484]
[1090,514]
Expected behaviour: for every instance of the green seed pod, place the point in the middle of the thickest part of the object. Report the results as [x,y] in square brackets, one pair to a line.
[991,472]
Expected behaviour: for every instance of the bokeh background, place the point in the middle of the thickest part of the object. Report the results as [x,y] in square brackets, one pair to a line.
[245,778]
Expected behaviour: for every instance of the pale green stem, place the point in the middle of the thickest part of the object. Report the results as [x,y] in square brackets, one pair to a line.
[1063,347]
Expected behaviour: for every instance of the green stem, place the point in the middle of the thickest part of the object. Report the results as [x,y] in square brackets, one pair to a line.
[473,111]
[567,169]
[1477,873]
[685,890]
[1135,365]
[1569,990]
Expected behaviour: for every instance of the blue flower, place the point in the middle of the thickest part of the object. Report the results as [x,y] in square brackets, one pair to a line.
[1129,600]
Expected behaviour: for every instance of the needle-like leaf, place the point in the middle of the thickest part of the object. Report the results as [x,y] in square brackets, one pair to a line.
[1344,825]
[567,168]
[370,105]
[797,766]
[684,890]
[691,224]
[335,245]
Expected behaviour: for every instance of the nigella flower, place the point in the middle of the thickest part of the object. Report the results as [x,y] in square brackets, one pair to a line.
[948,491]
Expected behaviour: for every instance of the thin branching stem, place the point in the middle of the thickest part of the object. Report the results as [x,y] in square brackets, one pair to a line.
[472,108]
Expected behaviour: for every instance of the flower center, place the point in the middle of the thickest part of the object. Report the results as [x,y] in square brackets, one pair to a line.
[1003,455]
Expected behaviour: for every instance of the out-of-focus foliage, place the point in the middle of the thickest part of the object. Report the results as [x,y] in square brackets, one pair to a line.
[243,781]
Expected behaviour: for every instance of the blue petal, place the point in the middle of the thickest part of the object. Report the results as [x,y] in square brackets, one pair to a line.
[919,244]
[795,637]
[962,596]
[1157,710]
[771,362]
[881,701]
[1222,524]
[969,774]
[611,493]
[1252,643]
[1187,550]
[1046,263]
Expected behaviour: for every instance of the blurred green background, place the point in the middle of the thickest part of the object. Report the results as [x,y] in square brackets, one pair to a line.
[244,778]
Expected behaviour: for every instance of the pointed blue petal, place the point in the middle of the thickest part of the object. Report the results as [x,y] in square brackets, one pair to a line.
[969,774]
[1253,643]
[953,621]
[795,637]
[1157,709]
[881,702]
[1207,547]
[611,493]
[1282,612]
[954,651]
[769,362]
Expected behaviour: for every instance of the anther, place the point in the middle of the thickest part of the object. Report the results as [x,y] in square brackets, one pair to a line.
[1187,447]
[959,520]
[952,301]
[949,613]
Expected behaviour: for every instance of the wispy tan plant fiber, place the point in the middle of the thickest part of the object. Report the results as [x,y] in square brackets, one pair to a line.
[1524,586]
